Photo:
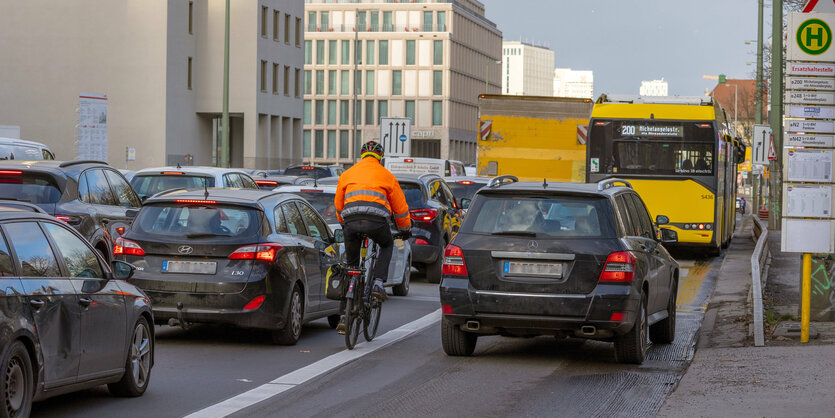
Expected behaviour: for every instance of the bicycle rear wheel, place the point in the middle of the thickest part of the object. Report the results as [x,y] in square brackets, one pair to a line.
[352,324]
[370,324]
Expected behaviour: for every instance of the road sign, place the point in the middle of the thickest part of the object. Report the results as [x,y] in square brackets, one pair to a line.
[810,37]
[582,134]
[761,140]
[771,154]
[814,112]
[819,6]
[810,83]
[810,126]
[811,97]
[485,128]
[806,68]
[805,140]
[395,134]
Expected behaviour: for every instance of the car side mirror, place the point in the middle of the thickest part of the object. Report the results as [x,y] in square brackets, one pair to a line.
[662,220]
[338,236]
[122,270]
[131,213]
[465,203]
[668,236]
[144,198]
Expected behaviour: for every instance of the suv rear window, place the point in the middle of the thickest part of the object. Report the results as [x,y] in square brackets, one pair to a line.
[309,171]
[322,202]
[414,195]
[28,187]
[153,184]
[173,220]
[464,189]
[20,152]
[557,216]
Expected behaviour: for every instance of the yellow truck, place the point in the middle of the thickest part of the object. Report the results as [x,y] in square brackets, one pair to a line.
[533,137]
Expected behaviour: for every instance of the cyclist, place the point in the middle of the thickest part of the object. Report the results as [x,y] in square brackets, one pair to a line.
[366,196]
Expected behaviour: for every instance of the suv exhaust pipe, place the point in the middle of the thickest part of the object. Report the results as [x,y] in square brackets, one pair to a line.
[473,325]
[588,330]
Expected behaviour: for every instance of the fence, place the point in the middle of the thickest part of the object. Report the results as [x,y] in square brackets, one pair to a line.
[759,258]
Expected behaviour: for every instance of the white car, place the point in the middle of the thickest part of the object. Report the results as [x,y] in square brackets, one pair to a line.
[19,149]
[321,198]
[150,181]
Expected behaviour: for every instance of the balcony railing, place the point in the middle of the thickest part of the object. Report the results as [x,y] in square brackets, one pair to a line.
[373,1]
[312,27]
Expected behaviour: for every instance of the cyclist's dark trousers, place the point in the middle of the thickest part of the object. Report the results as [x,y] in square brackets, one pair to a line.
[376,230]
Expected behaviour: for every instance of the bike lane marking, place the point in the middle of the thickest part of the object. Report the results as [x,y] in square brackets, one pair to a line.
[309,372]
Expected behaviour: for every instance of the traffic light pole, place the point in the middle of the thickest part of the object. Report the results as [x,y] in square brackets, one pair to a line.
[776,167]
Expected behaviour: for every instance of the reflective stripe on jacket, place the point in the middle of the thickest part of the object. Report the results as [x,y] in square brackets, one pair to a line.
[368,188]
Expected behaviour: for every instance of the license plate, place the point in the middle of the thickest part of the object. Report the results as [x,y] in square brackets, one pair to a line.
[194,267]
[533,269]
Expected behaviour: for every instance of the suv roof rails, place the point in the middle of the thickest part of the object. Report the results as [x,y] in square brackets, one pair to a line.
[76,162]
[498,181]
[608,183]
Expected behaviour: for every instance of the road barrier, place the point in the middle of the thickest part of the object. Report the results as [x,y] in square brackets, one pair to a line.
[759,258]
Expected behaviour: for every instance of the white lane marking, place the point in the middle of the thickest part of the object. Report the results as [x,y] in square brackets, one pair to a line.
[435,299]
[297,377]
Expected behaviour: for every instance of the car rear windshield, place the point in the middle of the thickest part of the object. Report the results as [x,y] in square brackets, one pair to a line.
[28,187]
[464,189]
[195,221]
[20,152]
[322,202]
[151,185]
[552,216]
[414,195]
[317,172]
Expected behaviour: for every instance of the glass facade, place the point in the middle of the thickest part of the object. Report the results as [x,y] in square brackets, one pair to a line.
[396,82]
[437,113]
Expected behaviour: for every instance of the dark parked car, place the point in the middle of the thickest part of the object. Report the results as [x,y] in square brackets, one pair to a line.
[66,321]
[464,187]
[90,196]
[250,258]
[578,260]
[316,171]
[435,220]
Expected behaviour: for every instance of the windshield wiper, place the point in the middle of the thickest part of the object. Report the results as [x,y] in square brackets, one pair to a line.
[519,233]
[206,234]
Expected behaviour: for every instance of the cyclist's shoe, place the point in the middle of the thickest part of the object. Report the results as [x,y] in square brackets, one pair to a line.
[340,328]
[378,291]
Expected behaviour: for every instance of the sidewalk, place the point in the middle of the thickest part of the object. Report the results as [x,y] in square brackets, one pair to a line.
[728,375]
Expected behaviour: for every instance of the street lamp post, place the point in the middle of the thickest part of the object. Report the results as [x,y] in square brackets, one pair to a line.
[775,173]
[224,137]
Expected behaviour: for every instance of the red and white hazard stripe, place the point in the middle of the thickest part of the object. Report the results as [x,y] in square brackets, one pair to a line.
[582,133]
[486,127]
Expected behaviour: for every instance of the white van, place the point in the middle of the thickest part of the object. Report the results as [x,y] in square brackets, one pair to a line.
[416,165]
[18,149]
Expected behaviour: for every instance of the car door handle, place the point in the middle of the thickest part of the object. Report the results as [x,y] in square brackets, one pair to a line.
[36,303]
[85,301]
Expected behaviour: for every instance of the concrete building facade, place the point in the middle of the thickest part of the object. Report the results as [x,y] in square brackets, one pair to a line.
[425,60]
[527,69]
[160,64]
[654,88]
[572,83]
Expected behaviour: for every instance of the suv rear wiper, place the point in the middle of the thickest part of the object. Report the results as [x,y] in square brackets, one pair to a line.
[204,235]
[520,233]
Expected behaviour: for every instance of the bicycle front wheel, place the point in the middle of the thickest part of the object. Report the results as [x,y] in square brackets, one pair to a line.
[373,320]
[352,324]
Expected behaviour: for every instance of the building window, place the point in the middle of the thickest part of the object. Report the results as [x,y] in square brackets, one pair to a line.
[343,144]
[275,78]
[427,21]
[307,82]
[438,53]
[319,116]
[358,82]
[306,144]
[332,52]
[375,21]
[307,112]
[344,116]
[345,82]
[369,82]
[276,18]
[332,82]
[346,52]
[320,81]
[369,112]
[264,13]
[296,89]
[308,52]
[410,52]
[287,30]
[384,52]
[320,52]
[383,109]
[331,144]
[441,26]
[320,144]
[311,21]
[438,83]
[263,75]
[189,73]
[331,112]
[387,26]
[396,82]
[357,142]
[369,52]
[437,113]
[358,52]
[410,111]
[324,20]
[190,17]
[286,80]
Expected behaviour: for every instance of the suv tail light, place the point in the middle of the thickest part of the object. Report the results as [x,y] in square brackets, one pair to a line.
[423,215]
[454,264]
[127,247]
[620,267]
[268,183]
[263,252]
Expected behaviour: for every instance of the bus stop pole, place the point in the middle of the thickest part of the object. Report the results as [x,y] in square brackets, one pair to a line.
[776,171]
[805,298]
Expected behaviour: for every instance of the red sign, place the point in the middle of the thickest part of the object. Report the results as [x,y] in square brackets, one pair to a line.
[819,6]
[582,133]
[486,127]
[771,154]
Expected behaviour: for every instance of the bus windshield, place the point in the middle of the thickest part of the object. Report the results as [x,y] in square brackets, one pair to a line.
[650,147]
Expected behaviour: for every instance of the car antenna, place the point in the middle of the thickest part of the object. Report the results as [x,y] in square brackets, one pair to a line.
[315,181]
[178,165]
[205,190]
[544,183]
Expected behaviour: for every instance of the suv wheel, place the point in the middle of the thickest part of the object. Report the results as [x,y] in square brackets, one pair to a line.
[455,341]
[632,346]
[664,331]
[434,270]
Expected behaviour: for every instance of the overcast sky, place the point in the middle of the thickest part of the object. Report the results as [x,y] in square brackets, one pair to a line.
[626,41]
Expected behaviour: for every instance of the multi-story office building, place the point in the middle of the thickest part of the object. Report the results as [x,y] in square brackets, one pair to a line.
[160,64]
[654,87]
[427,60]
[527,69]
[571,83]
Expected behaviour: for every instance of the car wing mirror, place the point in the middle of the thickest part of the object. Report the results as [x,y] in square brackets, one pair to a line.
[662,220]
[131,213]
[122,270]
[668,236]
[338,236]
[465,203]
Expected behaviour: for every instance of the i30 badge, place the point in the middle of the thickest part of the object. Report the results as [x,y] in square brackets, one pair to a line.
[185,249]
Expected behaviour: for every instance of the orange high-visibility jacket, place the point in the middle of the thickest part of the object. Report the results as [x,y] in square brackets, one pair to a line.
[368,188]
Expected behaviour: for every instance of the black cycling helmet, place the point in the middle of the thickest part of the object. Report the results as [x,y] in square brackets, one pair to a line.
[373,149]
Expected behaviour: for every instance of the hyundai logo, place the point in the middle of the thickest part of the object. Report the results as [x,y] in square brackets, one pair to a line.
[185,249]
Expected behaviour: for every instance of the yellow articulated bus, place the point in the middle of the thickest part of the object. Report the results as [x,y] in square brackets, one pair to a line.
[678,154]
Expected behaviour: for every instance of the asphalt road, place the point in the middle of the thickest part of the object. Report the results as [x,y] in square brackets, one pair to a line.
[198,368]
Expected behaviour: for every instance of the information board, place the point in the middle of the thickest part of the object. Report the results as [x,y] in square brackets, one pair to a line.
[811,97]
[810,83]
[807,235]
[801,140]
[810,126]
[92,127]
[808,165]
[807,200]
[815,112]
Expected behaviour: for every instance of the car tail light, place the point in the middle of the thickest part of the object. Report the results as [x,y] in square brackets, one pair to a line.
[617,316]
[10,172]
[701,226]
[195,202]
[421,241]
[424,215]
[120,230]
[268,183]
[263,252]
[447,309]
[466,182]
[454,261]
[620,267]
[408,160]
[127,247]
[172,173]
[255,303]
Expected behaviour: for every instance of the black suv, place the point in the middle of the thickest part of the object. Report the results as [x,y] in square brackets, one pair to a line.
[570,260]
[435,219]
[90,196]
